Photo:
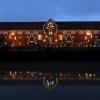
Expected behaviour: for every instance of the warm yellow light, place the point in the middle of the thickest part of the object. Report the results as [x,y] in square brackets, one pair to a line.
[15,38]
[86,38]
[39,37]
[44,40]
[13,33]
[88,33]
[56,40]
[20,43]
[61,37]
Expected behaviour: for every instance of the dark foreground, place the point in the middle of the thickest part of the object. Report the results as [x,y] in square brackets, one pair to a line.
[40,82]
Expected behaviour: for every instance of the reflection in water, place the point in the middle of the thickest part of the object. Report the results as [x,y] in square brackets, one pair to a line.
[38,92]
[50,83]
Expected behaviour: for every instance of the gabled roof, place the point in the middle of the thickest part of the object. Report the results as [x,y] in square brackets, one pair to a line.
[39,25]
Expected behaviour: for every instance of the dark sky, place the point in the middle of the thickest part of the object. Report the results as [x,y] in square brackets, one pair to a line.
[41,10]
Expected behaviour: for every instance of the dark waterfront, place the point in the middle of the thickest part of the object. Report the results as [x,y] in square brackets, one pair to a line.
[38,92]
[83,63]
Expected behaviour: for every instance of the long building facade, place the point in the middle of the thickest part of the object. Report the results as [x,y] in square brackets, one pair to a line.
[50,34]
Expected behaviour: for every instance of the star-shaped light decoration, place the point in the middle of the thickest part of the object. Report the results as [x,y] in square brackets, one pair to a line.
[50,27]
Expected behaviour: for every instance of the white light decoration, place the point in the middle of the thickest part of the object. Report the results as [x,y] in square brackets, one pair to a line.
[39,37]
[69,38]
[50,83]
[50,27]
[32,38]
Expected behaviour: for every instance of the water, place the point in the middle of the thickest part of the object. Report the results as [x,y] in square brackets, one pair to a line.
[38,92]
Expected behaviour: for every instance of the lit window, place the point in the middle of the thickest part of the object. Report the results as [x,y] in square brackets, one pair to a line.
[15,38]
[65,32]
[88,33]
[20,37]
[60,37]
[5,37]
[56,40]
[5,32]
[27,37]
[5,43]
[20,32]
[44,40]
[81,32]
[39,37]
[20,43]
[96,32]
[27,32]
[73,32]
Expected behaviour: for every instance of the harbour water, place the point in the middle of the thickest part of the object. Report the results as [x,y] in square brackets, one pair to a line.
[61,91]
[38,92]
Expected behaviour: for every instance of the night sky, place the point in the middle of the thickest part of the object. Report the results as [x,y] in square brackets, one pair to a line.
[41,10]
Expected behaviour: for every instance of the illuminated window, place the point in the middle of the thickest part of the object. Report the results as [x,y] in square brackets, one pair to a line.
[56,40]
[65,32]
[5,37]
[73,32]
[20,32]
[20,37]
[88,33]
[60,37]
[5,43]
[39,37]
[15,38]
[27,37]
[81,32]
[5,32]
[44,40]
[13,33]
[96,32]
[27,32]
[20,43]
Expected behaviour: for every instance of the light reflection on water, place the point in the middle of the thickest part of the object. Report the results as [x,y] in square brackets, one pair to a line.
[38,92]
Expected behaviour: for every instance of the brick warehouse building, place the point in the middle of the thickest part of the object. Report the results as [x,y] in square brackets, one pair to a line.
[57,45]
[49,34]
[42,40]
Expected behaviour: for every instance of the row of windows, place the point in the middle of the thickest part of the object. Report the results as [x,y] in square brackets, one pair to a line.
[37,32]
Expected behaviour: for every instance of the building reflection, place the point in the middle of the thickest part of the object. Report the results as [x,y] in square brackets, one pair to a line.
[36,75]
